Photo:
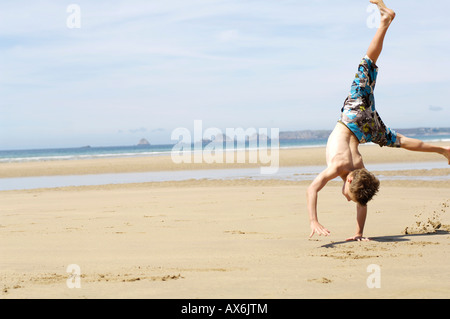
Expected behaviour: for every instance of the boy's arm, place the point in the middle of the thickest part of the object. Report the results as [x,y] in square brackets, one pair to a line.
[361,214]
[311,196]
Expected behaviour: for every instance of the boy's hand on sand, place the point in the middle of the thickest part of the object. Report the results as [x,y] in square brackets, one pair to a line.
[319,229]
[357,238]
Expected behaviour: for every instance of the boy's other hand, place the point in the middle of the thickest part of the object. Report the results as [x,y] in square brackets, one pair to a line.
[357,238]
[319,229]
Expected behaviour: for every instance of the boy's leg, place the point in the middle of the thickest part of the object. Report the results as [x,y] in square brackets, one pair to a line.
[387,16]
[416,145]
[374,51]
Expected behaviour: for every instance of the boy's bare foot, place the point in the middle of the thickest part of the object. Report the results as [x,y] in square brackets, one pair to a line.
[387,15]
[379,3]
[447,154]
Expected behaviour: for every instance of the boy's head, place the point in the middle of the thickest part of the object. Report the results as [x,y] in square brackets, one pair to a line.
[360,186]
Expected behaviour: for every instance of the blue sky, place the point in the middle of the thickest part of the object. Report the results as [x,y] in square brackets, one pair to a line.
[141,68]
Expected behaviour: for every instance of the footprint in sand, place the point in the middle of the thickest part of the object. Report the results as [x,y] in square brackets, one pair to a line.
[322,280]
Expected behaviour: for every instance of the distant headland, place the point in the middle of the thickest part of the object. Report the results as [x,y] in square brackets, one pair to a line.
[323,134]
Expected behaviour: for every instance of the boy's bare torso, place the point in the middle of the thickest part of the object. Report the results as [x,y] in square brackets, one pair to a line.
[342,151]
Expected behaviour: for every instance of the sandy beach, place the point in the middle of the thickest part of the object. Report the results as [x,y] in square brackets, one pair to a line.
[221,238]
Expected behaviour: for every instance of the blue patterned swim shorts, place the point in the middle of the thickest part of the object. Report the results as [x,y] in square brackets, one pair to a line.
[359,113]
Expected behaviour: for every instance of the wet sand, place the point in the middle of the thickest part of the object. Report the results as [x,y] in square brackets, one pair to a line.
[315,156]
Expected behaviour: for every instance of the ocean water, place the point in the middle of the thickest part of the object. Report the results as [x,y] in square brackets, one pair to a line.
[8,156]
[80,153]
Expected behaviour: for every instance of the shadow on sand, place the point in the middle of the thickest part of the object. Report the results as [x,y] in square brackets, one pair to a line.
[392,239]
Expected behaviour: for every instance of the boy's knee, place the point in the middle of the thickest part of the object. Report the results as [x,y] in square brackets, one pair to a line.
[398,142]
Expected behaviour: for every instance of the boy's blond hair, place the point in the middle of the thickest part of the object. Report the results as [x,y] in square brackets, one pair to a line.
[364,186]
